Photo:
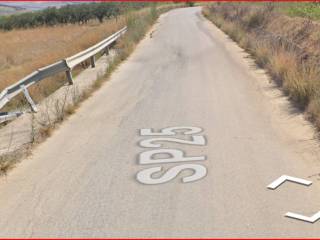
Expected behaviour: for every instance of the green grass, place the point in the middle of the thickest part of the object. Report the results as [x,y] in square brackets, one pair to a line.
[307,10]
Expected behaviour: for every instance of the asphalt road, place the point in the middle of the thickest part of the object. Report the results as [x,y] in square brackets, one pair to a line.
[88,180]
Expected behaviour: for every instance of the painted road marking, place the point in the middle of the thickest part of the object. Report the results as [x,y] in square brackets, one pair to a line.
[145,176]
[159,175]
[176,155]
[196,140]
[285,178]
[170,131]
[311,219]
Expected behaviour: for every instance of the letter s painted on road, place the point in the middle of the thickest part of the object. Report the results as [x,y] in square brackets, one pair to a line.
[145,176]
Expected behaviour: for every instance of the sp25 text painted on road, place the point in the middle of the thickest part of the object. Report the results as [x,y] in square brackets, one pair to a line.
[147,176]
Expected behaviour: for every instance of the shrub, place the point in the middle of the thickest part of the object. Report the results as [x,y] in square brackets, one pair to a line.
[190,4]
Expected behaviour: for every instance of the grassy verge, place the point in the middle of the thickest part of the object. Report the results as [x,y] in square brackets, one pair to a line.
[289,56]
[138,24]
[305,10]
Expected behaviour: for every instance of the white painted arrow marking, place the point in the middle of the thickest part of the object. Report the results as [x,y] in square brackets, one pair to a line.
[284,178]
[311,219]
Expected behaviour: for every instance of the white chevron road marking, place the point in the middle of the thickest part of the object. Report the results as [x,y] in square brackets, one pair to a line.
[284,178]
[311,219]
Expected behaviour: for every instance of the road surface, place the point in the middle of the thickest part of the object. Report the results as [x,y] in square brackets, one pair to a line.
[88,180]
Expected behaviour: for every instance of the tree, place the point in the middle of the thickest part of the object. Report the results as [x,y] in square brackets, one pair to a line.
[80,13]
[190,4]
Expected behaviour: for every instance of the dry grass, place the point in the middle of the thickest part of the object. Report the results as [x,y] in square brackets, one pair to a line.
[261,51]
[8,161]
[280,62]
[24,51]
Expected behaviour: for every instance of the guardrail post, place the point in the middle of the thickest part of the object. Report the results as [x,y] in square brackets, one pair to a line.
[106,50]
[93,61]
[69,77]
[29,99]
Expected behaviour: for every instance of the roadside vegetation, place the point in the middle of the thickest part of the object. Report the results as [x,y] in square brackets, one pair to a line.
[307,10]
[69,14]
[286,46]
[58,42]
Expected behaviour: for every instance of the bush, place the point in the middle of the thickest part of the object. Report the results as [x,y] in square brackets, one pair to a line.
[190,4]
[254,20]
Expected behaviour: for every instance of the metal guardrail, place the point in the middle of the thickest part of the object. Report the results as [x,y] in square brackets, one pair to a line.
[10,92]
[82,56]
[65,65]
[9,116]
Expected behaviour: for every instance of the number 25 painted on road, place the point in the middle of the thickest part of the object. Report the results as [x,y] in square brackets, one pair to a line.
[175,156]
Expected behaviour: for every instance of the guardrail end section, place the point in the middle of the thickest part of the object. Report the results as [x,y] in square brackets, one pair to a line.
[7,116]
